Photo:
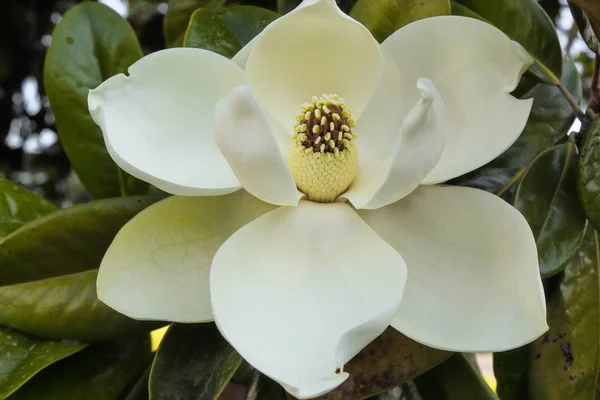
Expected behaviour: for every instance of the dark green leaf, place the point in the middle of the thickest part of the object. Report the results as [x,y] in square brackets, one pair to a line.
[177,18]
[21,357]
[406,391]
[525,22]
[387,362]
[499,181]
[588,180]
[547,198]
[139,390]
[511,369]
[384,17]
[455,379]
[264,388]
[66,241]
[550,119]
[226,31]
[65,307]
[192,362]
[585,28]
[566,359]
[100,372]
[19,206]
[90,44]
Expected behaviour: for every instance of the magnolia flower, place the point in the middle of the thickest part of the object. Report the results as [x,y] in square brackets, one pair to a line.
[340,232]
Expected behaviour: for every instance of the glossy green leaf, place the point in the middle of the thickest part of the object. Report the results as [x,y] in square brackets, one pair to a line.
[19,206]
[139,390]
[384,17]
[264,388]
[549,122]
[89,45]
[100,372]
[389,361]
[66,241]
[193,362]
[406,391]
[511,369]
[65,307]
[226,31]
[566,359]
[22,357]
[547,198]
[525,22]
[177,18]
[455,379]
[585,28]
[588,179]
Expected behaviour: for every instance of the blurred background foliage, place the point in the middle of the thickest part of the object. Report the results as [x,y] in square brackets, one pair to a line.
[30,153]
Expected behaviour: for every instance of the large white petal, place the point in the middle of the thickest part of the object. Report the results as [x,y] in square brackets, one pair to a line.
[245,138]
[474,66]
[392,166]
[473,281]
[301,290]
[158,265]
[313,50]
[157,121]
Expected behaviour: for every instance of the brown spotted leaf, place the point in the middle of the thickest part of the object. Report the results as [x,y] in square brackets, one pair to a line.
[387,362]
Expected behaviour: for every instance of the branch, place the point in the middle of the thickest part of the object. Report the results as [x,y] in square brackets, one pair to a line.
[594,104]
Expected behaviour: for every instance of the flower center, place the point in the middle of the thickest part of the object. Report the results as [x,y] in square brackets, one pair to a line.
[322,157]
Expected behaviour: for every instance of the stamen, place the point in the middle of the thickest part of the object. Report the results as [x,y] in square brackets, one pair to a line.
[323,157]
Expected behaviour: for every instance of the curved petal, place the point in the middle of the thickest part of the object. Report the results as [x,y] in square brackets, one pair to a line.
[244,137]
[474,283]
[156,121]
[313,50]
[301,290]
[391,168]
[158,265]
[474,66]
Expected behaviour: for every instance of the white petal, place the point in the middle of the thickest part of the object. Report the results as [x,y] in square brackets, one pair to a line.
[241,57]
[157,121]
[474,283]
[158,265]
[301,290]
[390,167]
[244,137]
[313,50]
[475,67]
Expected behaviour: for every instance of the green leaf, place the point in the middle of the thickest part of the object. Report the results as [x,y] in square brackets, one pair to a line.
[177,18]
[547,198]
[65,307]
[511,369]
[406,391]
[264,388]
[526,22]
[455,379]
[66,241]
[389,361]
[384,17]
[585,28]
[22,357]
[588,179]
[100,372]
[550,119]
[90,44]
[226,31]
[549,122]
[566,359]
[19,206]
[193,362]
